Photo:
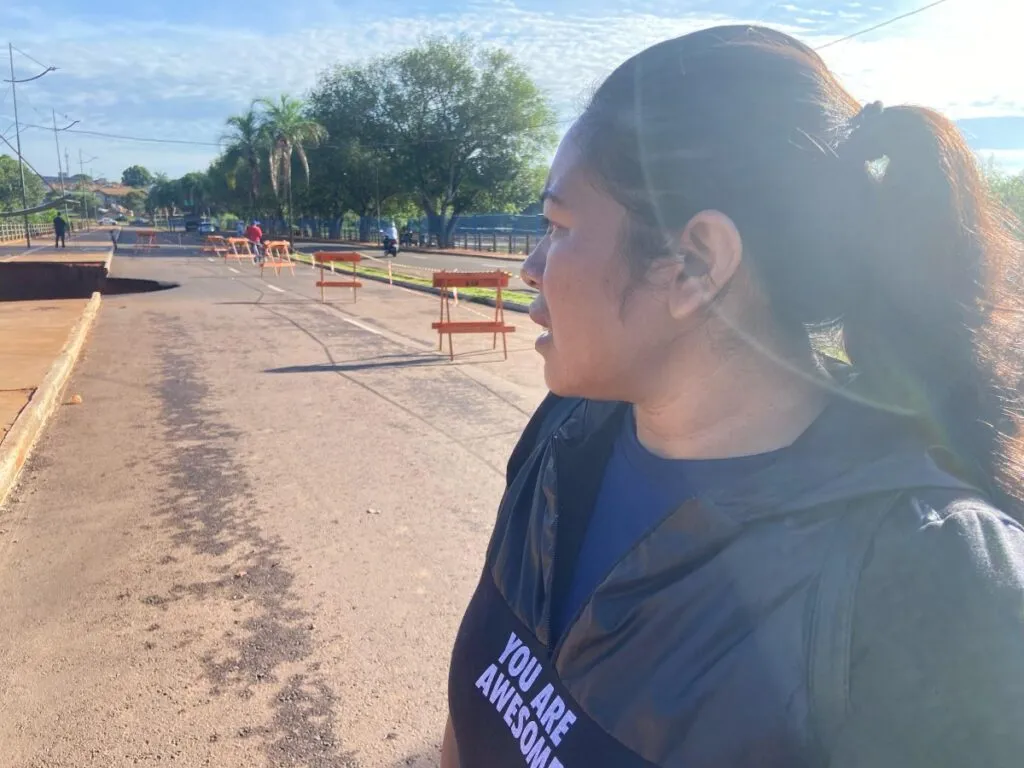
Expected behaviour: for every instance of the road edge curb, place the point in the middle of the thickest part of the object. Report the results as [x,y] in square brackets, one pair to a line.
[30,423]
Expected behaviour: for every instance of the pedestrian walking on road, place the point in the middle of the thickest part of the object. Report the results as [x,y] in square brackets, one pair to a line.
[60,228]
[728,539]
[254,234]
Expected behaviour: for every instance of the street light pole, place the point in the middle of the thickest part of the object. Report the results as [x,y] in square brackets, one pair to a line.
[17,133]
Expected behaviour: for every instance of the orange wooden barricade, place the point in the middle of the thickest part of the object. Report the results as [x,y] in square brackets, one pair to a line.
[239,248]
[449,281]
[323,258]
[277,256]
[215,244]
[145,238]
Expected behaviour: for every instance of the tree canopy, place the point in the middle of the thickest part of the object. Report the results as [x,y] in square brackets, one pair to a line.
[451,125]
[10,186]
[442,129]
[136,176]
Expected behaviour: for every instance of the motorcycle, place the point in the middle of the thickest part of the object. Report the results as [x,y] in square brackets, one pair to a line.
[390,247]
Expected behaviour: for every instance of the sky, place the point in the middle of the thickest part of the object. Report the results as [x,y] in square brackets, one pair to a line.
[175,71]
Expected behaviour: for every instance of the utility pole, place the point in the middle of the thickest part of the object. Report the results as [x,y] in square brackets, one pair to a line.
[67,169]
[60,174]
[17,133]
[81,169]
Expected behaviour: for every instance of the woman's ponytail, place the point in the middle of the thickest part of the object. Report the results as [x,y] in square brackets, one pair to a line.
[938,325]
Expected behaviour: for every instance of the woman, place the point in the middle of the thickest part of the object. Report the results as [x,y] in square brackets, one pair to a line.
[719,546]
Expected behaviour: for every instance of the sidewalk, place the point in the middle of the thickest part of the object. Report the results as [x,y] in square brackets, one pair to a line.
[40,341]
[32,334]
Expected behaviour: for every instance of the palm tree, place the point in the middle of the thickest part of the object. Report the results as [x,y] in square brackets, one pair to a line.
[289,131]
[246,142]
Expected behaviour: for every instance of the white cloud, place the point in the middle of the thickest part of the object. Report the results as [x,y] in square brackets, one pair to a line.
[181,80]
[955,58]
[1009,160]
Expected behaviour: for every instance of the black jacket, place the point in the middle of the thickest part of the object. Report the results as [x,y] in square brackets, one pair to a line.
[694,651]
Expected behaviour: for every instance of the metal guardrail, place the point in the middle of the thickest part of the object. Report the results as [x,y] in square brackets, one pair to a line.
[481,240]
[13,230]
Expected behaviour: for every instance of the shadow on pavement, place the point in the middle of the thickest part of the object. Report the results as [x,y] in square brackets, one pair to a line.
[368,365]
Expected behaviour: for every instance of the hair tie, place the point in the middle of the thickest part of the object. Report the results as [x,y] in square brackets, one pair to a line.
[867,113]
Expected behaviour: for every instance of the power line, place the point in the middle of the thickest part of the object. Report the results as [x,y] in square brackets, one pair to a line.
[121,137]
[886,23]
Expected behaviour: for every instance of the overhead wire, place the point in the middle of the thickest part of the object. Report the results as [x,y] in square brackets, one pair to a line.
[885,23]
[396,145]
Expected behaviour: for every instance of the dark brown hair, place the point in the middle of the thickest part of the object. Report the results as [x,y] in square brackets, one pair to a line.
[876,221]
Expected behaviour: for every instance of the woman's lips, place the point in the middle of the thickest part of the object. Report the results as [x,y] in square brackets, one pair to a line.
[539,315]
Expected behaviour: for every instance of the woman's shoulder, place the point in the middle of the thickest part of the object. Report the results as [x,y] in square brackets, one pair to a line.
[942,554]
[937,653]
[954,530]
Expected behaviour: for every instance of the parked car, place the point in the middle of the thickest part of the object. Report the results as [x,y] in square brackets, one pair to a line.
[140,223]
[207,227]
[106,221]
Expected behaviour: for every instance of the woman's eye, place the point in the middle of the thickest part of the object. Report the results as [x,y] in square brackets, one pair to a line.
[550,226]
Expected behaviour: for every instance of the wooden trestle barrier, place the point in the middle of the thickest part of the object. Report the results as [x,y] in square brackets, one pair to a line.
[323,258]
[449,281]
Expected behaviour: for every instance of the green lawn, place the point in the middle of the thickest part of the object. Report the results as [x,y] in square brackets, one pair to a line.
[376,273]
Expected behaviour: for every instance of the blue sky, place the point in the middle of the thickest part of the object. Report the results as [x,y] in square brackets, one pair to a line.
[176,70]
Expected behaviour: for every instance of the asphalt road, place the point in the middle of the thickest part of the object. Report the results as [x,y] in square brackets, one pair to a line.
[250,545]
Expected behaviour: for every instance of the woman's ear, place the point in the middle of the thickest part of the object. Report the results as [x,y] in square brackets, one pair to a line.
[712,251]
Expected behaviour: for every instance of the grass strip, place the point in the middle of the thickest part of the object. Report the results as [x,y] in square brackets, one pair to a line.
[376,273]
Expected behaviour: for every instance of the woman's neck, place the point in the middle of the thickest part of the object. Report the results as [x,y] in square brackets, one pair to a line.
[741,407]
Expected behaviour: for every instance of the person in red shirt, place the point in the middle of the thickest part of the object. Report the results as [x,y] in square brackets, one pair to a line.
[254,235]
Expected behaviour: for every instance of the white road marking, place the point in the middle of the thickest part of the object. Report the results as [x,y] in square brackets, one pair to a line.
[208,258]
[357,324]
[234,270]
[275,288]
[418,256]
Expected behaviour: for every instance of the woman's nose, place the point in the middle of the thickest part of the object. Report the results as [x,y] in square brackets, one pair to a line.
[532,272]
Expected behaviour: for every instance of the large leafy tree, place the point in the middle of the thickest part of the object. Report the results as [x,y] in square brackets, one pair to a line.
[136,176]
[289,131]
[194,190]
[246,144]
[469,125]
[357,171]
